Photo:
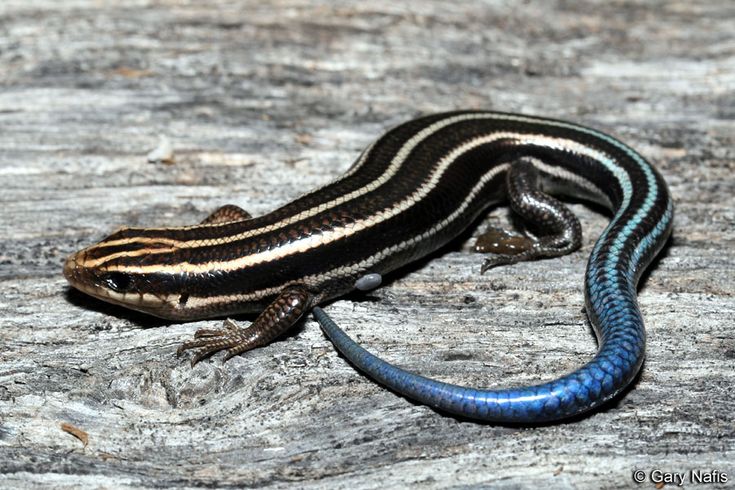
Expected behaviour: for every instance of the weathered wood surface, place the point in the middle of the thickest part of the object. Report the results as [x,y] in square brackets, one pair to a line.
[265,99]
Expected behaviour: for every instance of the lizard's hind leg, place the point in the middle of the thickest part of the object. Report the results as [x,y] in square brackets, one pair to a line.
[559,230]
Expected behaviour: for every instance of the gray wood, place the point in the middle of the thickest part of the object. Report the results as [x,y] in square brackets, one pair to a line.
[262,100]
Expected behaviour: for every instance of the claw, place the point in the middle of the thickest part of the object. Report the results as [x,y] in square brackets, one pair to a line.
[230,353]
[203,354]
[285,310]
[191,344]
[499,259]
[228,325]
[210,341]
[506,247]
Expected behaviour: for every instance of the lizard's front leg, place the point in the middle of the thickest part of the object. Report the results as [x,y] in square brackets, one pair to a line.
[276,319]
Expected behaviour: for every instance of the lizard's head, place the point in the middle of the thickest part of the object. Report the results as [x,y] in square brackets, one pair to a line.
[145,270]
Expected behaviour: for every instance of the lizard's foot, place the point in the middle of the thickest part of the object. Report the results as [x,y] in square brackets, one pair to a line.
[278,317]
[232,338]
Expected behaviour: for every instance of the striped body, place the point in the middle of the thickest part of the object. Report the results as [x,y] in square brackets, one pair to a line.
[409,193]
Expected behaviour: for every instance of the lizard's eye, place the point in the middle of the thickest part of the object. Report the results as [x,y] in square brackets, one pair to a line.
[118,281]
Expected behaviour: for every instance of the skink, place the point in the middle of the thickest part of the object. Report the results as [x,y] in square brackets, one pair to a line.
[408,194]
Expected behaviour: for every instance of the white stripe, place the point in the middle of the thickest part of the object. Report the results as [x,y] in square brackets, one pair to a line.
[587,187]
[350,269]
[395,165]
[318,240]
[355,166]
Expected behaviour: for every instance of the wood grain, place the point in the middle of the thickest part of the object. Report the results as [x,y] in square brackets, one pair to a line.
[263,100]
